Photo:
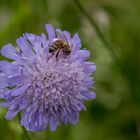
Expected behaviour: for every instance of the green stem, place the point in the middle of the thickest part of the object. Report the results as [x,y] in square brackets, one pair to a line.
[103,39]
[95,26]
[100,35]
[25,133]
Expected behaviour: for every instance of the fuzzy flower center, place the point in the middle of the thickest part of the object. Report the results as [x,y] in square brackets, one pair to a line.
[58,84]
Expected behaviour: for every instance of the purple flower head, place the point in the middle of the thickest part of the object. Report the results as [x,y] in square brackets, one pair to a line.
[46,88]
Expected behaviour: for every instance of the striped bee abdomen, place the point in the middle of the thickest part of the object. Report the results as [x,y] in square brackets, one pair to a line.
[60,45]
[55,46]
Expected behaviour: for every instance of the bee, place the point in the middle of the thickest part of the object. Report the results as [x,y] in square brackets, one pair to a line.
[60,44]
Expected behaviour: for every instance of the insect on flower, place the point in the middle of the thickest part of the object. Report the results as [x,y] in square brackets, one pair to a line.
[60,43]
[45,91]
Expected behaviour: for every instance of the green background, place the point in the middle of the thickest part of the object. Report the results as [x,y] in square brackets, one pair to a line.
[115,113]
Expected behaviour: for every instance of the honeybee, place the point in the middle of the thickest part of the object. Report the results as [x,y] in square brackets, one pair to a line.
[60,44]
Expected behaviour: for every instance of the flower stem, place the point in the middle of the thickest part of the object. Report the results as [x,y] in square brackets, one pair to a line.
[95,26]
[100,35]
[103,39]
[25,133]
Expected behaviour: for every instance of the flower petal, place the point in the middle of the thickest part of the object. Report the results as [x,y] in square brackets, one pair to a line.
[16,80]
[89,95]
[54,122]
[68,37]
[90,67]
[76,42]
[71,117]
[9,68]
[15,92]
[37,42]
[3,82]
[19,91]
[83,54]
[25,47]
[11,114]
[9,51]
[51,32]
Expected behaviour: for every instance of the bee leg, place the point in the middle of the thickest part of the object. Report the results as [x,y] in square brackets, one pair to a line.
[57,54]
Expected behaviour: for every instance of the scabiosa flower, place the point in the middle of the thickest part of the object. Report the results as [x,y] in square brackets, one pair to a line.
[45,89]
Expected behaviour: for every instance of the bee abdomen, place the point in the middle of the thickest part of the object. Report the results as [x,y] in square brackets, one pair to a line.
[55,46]
[51,49]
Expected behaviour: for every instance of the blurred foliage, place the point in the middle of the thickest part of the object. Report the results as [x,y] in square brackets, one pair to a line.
[115,114]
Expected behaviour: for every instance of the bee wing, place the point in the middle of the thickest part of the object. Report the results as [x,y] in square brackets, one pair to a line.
[58,35]
[65,39]
[62,36]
